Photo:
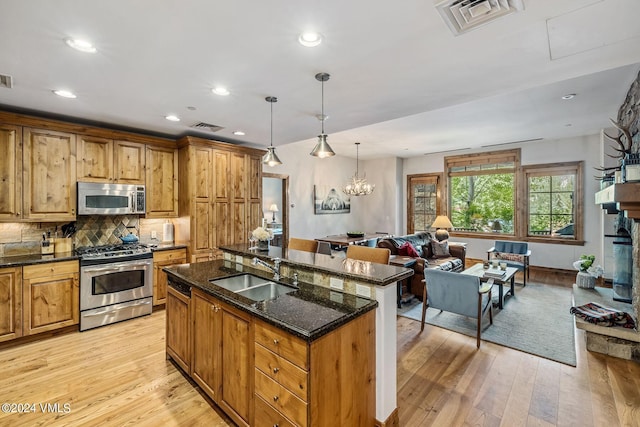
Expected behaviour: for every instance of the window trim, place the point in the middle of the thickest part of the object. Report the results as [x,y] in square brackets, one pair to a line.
[501,156]
[554,169]
[431,178]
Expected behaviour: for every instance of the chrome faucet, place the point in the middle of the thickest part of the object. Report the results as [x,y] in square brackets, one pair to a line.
[275,267]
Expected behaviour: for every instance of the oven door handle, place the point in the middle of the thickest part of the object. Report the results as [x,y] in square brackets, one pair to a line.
[101,313]
[115,268]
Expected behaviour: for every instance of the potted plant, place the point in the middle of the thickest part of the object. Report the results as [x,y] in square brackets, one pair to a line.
[587,272]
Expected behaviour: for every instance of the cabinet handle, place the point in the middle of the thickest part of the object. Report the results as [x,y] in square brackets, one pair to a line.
[275,398]
[276,370]
[275,341]
[275,425]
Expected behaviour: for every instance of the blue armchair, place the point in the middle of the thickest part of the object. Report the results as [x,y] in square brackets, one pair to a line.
[457,293]
[515,254]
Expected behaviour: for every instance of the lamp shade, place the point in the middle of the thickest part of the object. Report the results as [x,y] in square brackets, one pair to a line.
[442,221]
[322,148]
[441,224]
[273,208]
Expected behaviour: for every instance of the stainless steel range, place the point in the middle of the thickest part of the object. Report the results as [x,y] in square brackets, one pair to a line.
[116,283]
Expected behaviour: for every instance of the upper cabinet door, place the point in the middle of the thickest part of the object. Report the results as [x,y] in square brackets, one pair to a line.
[49,175]
[129,162]
[162,183]
[95,159]
[10,173]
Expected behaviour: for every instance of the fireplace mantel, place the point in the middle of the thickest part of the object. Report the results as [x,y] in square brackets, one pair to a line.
[626,196]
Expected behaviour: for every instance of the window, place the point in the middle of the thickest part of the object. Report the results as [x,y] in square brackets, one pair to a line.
[424,201]
[554,201]
[482,192]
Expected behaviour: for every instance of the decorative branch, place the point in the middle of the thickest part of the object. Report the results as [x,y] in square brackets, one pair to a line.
[626,133]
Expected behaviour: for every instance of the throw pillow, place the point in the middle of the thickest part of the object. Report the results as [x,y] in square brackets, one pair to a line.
[440,249]
[407,249]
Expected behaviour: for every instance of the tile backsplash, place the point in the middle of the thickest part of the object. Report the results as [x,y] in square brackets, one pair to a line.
[93,230]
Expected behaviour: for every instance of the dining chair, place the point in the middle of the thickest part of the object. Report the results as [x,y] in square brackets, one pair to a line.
[366,253]
[324,248]
[303,244]
[457,293]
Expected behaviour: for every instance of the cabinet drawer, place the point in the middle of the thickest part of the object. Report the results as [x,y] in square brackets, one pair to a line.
[266,416]
[282,371]
[281,399]
[172,255]
[283,344]
[49,269]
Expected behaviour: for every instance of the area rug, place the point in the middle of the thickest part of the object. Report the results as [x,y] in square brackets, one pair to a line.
[536,320]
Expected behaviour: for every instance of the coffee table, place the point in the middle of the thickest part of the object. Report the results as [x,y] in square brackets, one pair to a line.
[510,273]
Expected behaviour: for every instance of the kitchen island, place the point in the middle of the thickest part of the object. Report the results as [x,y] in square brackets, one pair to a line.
[353,277]
[306,357]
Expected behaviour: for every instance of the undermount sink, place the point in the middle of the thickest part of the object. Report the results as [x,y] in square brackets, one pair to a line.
[266,291]
[253,287]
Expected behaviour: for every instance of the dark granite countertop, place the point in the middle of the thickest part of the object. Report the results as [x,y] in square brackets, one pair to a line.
[20,260]
[309,312]
[376,274]
[164,246]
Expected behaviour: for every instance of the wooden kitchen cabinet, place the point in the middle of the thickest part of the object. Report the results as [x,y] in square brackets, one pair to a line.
[297,383]
[95,159]
[163,259]
[129,162]
[179,328]
[50,296]
[11,173]
[223,355]
[10,303]
[220,195]
[162,182]
[49,175]
[195,203]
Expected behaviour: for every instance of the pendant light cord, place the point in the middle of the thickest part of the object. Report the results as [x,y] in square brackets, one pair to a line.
[322,107]
[271,103]
[357,157]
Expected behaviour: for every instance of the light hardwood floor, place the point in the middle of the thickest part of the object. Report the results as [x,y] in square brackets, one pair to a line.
[118,375]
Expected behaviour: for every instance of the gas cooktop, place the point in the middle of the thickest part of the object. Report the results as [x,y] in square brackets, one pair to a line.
[113,251]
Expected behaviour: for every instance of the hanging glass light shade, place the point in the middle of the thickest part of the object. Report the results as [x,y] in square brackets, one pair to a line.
[358,185]
[322,148]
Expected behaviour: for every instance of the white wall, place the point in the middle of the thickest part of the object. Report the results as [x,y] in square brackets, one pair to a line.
[586,148]
[379,211]
[271,193]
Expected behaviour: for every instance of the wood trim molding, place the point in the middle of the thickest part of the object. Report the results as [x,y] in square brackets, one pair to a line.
[82,129]
[219,145]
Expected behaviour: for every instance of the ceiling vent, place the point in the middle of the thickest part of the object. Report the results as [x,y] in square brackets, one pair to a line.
[465,15]
[6,81]
[207,127]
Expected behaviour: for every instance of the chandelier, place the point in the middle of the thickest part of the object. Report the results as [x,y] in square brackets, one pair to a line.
[358,186]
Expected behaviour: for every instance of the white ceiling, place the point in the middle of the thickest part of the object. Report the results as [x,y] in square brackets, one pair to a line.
[401,83]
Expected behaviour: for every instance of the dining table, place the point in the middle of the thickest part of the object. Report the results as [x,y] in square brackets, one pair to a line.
[344,240]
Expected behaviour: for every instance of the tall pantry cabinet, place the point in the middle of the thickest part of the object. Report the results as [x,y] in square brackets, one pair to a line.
[220,195]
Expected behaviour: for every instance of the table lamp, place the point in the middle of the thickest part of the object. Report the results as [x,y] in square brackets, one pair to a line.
[441,224]
[273,208]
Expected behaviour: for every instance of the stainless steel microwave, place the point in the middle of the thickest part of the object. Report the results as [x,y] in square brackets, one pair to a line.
[110,199]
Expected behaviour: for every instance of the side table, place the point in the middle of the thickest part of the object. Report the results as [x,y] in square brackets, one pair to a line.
[403,261]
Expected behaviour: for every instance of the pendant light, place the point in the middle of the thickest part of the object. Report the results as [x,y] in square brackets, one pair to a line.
[358,186]
[322,148]
[271,158]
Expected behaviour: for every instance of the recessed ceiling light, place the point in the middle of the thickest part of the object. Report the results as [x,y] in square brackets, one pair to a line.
[239,133]
[310,39]
[569,96]
[81,45]
[65,94]
[172,118]
[220,90]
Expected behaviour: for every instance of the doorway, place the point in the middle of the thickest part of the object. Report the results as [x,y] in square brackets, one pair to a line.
[275,206]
